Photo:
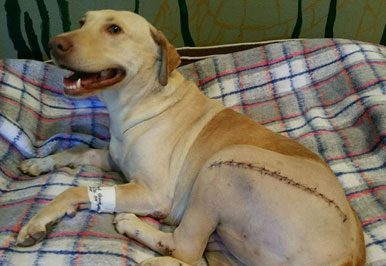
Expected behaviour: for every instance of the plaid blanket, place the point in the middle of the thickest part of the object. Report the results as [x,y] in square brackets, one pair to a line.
[327,94]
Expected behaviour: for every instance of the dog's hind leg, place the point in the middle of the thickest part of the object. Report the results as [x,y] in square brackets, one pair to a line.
[71,157]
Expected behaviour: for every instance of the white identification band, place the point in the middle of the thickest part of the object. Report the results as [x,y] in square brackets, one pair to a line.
[102,199]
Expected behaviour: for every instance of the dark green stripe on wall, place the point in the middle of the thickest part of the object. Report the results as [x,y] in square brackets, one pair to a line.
[329,31]
[383,39]
[299,22]
[184,21]
[64,14]
[13,13]
[32,38]
[44,26]
[136,8]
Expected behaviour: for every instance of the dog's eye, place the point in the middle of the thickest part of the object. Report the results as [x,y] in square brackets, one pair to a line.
[114,29]
[81,22]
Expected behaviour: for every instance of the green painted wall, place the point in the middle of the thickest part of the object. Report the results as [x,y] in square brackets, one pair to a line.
[26,25]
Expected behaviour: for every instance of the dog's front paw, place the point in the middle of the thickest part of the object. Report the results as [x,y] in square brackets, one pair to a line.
[36,229]
[37,166]
[32,233]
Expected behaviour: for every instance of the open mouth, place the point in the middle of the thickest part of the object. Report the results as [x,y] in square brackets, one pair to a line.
[78,82]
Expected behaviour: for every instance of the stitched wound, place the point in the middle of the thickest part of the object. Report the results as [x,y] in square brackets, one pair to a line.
[278,176]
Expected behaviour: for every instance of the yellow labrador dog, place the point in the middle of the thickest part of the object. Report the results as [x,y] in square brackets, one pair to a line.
[191,162]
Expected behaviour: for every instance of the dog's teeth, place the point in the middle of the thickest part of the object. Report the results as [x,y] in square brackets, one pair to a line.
[104,73]
[78,83]
[75,86]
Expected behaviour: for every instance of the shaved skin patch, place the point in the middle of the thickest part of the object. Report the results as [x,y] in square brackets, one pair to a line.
[284,179]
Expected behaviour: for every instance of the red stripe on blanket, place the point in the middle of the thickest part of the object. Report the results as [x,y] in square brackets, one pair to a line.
[365,192]
[354,154]
[319,84]
[373,220]
[264,56]
[87,233]
[15,228]
[31,81]
[323,105]
[264,63]
[26,201]
[5,170]
[96,175]
[50,119]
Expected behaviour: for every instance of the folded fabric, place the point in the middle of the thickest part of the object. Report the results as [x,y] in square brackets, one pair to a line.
[327,94]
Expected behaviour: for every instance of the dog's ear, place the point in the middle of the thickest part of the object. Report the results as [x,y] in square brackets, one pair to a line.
[170,59]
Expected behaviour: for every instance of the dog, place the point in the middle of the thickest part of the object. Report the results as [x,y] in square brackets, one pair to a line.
[186,156]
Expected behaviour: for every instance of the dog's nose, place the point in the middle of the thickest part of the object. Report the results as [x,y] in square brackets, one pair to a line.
[60,45]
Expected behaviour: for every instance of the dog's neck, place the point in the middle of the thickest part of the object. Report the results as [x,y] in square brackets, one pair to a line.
[140,101]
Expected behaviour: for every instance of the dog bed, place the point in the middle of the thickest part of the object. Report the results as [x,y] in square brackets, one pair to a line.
[329,95]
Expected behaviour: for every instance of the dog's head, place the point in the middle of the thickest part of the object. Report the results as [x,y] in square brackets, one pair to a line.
[109,49]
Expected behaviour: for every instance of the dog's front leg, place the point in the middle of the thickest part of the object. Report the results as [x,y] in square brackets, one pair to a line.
[71,157]
[186,243]
[131,197]
[65,203]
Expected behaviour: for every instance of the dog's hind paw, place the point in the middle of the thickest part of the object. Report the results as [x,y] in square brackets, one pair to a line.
[37,166]
[126,224]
